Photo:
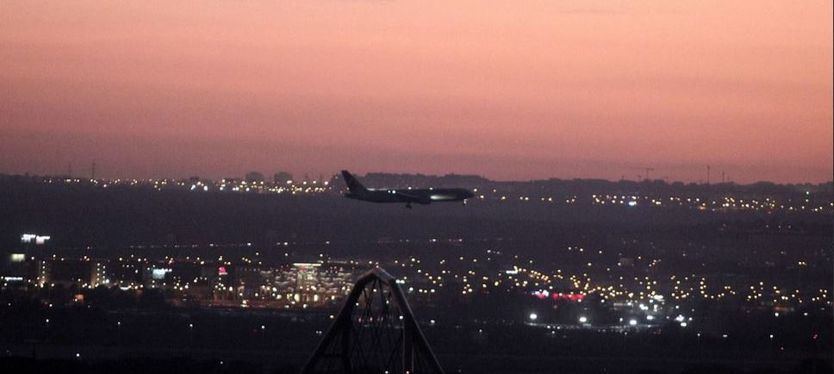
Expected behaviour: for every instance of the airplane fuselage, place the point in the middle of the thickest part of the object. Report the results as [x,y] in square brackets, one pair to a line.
[417,196]
[407,196]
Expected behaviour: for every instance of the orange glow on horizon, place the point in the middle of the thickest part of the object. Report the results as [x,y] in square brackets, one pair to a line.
[508,90]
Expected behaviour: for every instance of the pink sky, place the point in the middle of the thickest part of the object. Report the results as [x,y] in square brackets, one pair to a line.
[506,89]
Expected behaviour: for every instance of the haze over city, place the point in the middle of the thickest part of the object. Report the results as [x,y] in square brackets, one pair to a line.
[567,89]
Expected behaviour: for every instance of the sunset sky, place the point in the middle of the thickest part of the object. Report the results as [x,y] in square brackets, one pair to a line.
[505,89]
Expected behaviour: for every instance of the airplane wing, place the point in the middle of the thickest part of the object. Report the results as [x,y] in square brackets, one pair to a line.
[414,198]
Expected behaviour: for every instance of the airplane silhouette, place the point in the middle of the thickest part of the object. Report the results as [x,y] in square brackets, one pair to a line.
[407,196]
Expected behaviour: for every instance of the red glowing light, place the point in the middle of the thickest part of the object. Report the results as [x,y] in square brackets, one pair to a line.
[541,295]
[568,296]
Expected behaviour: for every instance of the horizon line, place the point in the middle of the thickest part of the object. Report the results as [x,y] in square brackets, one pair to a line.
[336,175]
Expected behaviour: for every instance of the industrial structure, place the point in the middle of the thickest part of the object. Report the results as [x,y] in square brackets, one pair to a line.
[375,332]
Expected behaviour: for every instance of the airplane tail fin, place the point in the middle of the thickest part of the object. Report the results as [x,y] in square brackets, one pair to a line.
[353,185]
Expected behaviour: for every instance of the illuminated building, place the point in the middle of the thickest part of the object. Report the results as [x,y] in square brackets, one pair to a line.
[14,268]
[34,239]
[98,274]
[314,284]
[68,272]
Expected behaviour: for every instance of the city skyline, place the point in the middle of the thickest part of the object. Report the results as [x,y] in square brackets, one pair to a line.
[508,91]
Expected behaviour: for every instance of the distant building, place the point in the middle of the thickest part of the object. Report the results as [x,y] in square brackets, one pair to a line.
[254,176]
[34,239]
[281,177]
[126,274]
[299,285]
[310,283]
[98,274]
[14,268]
[81,273]
[17,265]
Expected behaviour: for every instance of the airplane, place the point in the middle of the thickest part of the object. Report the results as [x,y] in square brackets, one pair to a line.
[407,196]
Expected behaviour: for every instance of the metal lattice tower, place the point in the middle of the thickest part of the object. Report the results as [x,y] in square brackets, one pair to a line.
[375,332]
